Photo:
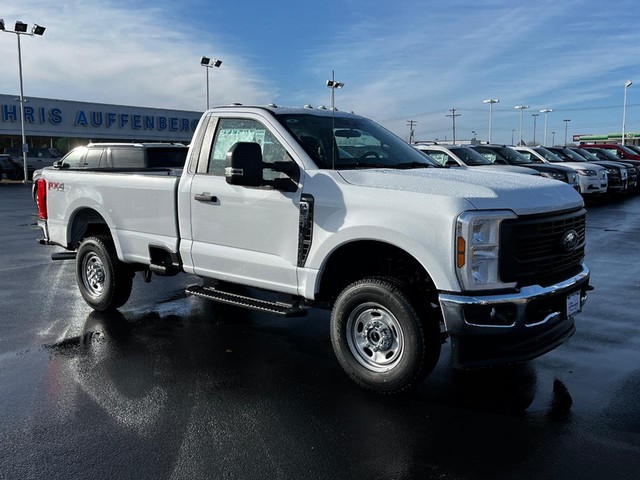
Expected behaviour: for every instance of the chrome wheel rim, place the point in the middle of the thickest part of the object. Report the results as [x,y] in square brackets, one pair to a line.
[93,274]
[375,337]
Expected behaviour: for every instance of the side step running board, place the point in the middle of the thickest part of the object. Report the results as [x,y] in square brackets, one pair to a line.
[277,308]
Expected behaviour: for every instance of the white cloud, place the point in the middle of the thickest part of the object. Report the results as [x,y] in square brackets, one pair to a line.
[94,51]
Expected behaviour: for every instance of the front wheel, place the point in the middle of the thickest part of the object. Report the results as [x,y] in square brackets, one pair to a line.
[104,281]
[379,339]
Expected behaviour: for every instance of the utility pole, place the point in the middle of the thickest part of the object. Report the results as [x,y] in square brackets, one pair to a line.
[453,116]
[411,124]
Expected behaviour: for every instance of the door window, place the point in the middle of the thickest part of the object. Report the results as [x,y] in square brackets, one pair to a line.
[233,130]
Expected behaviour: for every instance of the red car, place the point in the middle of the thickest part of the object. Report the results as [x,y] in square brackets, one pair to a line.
[621,151]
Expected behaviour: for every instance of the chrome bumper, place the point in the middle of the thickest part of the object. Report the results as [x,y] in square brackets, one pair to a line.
[505,328]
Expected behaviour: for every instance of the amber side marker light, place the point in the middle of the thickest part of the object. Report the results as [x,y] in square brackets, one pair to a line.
[460,251]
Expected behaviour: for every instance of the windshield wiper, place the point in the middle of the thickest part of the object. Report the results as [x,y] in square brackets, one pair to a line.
[407,165]
[355,165]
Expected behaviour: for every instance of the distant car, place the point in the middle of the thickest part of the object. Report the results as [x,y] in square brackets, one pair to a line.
[617,173]
[504,155]
[36,157]
[621,151]
[462,156]
[591,178]
[11,168]
[125,156]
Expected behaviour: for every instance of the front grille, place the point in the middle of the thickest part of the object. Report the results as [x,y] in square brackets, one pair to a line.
[532,250]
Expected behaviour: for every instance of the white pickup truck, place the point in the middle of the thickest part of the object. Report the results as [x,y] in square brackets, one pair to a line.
[319,208]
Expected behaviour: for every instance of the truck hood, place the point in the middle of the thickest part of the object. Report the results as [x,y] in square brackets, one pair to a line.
[523,194]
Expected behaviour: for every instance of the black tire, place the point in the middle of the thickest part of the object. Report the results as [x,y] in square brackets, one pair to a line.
[104,281]
[379,339]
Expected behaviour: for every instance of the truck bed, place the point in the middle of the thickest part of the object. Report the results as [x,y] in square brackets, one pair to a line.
[140,206]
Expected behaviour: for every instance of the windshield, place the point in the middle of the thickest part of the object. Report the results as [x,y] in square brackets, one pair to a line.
[586,154]
[569,155]
[351,142]
[603,154]
[549,156]
[626,149]
[635,148]
[506,154]
[470,156]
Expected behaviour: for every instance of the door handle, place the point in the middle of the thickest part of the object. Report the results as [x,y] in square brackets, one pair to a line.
[205,197]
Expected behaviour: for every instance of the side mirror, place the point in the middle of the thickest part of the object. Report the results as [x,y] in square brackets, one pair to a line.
[244,165]
[59,164]
[451,163]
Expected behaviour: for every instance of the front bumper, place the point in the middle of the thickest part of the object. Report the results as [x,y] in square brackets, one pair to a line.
[514,327]
[589,185]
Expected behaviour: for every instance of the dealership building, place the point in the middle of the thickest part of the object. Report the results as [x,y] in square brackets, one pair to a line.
[64,124]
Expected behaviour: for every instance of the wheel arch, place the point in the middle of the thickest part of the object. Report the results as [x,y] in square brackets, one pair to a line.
[86,222]
[366,258]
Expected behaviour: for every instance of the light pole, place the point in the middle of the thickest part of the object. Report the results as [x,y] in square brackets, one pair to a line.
[627,84]
[566,125]
[522,108]
[491,101]
[20,28]
[545,111]
[209,63]
[535,117]
[553,139]
[332,84]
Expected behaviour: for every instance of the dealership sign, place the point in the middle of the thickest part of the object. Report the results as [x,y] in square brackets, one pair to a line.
[62,118]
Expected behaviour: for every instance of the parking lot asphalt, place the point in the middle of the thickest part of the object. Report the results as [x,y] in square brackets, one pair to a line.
[174,387]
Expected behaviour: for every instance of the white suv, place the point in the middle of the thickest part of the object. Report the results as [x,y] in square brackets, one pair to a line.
[591,177]
[461,156]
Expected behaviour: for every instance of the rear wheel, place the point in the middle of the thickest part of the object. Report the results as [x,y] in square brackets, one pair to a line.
[104,281]
[379,338]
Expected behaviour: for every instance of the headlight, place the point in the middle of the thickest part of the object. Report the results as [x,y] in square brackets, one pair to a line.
[588,173]
[554,175]
[478,249]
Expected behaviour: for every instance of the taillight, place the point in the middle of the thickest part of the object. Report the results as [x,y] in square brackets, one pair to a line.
[41,199]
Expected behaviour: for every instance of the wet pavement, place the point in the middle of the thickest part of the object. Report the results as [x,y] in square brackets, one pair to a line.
[176,387]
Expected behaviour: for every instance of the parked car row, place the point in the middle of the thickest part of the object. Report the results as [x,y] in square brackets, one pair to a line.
[592,170]
[495,158]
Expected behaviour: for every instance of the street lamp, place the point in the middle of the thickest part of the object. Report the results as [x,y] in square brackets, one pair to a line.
[332,84]
[491,101]
[522,108]
[209,63]
[627,84]
[566,124]
[545,111]
[20,28]
[535,117]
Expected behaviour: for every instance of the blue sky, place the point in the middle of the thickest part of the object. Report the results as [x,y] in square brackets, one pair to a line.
[400,61]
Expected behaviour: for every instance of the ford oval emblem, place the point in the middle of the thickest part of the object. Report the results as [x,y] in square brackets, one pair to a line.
[570,240]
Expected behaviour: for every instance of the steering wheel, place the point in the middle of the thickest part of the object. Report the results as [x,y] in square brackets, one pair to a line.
[369,154]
